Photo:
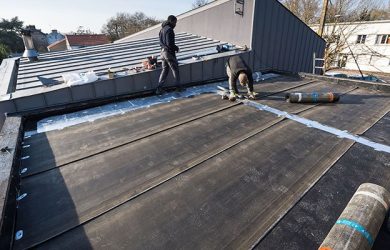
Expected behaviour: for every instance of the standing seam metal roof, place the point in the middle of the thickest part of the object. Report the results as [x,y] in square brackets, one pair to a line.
[99,58]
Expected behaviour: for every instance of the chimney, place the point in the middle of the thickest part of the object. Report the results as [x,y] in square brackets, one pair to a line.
[29,51]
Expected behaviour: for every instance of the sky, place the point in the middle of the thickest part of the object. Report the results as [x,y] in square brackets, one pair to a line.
[68,15]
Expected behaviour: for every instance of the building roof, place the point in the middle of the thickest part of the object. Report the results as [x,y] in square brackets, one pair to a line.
[87,40]
[354,23]
[187,170]
[53,65]
[201,172]
[56,43]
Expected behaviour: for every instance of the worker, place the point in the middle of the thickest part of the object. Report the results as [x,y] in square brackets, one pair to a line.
[236,68]
[168,54]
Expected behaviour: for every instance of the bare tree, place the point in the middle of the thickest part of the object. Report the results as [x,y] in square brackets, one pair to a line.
[125,24]
[339,30]
[199,3]
[307,10]
[83,31]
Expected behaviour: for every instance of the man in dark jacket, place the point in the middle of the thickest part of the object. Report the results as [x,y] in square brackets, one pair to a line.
[168,53]
[237,69]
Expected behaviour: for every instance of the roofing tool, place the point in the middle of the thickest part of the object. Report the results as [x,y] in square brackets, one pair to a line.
[361,220]
[314,97]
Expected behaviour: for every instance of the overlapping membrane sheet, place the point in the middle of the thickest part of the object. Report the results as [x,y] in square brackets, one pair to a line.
[51,66]
[193,173]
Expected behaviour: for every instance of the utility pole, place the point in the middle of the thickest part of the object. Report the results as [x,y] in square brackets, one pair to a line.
[323,17]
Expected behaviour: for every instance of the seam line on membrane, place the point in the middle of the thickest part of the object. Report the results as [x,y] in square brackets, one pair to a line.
[314,124]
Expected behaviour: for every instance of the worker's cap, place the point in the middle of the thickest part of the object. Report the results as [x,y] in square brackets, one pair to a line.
[172,19]
[243,78]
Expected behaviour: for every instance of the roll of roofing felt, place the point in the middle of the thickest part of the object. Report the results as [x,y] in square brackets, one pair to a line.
[312,97]
[361,220]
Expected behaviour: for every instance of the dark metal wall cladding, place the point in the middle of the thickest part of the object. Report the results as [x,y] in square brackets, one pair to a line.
[279,39]
[219,22]
[282,41]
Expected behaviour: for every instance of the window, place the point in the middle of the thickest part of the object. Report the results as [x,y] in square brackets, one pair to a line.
[361,39]
[382,39]
[239,7]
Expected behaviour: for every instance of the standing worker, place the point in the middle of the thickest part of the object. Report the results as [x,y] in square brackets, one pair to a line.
[236,68]
[168,54]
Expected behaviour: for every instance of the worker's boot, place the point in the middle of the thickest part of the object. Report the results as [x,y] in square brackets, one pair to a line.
[159,91]
[179,89]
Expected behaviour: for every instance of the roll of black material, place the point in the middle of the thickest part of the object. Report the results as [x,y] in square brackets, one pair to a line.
[314,97]
[361,220]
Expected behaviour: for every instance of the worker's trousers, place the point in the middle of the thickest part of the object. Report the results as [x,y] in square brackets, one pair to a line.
[169,61]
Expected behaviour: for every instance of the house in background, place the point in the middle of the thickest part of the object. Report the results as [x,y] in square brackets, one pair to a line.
[369,42]
[54,37]
[71,42]
[39,38]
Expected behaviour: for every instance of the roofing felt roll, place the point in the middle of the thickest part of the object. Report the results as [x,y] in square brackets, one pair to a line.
[312,97]
[361,220]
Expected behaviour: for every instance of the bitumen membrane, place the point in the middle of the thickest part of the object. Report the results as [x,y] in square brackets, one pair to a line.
[201,172]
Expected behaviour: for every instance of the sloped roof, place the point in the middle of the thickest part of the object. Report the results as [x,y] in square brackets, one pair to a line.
[56,43]
[87,40]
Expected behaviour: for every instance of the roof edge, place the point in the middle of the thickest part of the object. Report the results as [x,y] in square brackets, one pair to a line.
[343,81]
[10,137]
[181,16]
[353,23]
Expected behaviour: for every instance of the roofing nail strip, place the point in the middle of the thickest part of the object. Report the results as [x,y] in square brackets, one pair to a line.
[313,124]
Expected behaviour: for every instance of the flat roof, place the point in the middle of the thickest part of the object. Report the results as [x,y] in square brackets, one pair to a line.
[201,172]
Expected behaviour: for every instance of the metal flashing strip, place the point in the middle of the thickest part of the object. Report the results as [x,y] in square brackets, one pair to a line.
[89,115]
[313,124]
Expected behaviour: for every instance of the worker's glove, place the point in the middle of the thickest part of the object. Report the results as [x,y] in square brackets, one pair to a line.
[232,97]
[252,95]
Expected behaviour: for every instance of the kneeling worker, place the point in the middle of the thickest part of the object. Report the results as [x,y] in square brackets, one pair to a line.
[236,68]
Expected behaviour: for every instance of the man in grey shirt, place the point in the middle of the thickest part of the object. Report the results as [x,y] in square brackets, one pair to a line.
[237,69]
[168,54]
